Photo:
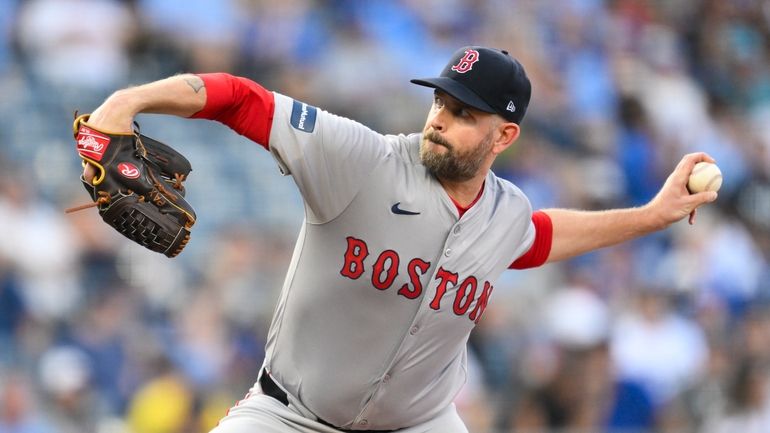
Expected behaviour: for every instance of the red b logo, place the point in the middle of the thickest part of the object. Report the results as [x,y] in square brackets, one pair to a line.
[466,63]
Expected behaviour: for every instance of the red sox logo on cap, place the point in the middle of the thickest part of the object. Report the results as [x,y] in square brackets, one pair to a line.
[466,62]
[497,85]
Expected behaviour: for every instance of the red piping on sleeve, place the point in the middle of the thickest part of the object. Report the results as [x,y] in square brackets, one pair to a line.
[241,104]
[541,247]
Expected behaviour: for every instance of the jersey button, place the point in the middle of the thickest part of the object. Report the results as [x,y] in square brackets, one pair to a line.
[448,252]
[386,378]
[457,230]
[363,422]
[414,329]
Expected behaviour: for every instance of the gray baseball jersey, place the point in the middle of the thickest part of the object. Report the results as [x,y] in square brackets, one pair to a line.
[386,281]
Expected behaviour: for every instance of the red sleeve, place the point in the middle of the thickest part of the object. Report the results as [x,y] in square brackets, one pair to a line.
[541,247]
[239,103]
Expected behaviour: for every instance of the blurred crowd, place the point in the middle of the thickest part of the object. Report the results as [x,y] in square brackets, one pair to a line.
[670,333]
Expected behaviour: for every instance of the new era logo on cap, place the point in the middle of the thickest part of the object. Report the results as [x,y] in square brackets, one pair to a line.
[487,79]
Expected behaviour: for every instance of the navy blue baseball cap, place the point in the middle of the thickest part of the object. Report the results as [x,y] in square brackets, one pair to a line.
[487,79]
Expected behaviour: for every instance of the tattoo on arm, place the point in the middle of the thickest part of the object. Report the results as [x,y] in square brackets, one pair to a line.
[196,83]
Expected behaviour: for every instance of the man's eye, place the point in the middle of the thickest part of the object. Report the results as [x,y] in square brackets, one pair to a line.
[462,112]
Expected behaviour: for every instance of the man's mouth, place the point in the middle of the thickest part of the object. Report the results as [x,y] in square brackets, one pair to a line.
[434,138]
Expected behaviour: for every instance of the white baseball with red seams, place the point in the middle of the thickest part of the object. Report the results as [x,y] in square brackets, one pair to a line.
[705,176]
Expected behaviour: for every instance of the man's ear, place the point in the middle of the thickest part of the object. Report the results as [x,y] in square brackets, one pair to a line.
[507,134]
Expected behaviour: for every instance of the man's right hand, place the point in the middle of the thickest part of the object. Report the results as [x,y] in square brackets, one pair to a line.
[115,115]
[180,95]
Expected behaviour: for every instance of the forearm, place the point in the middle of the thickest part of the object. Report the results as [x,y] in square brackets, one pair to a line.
[237,102]
[180,95]
[576,232]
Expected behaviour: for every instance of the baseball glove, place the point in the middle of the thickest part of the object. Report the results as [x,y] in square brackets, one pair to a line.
[139,187]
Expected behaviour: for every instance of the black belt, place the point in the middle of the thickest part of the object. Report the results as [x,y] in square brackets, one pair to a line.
[270,388]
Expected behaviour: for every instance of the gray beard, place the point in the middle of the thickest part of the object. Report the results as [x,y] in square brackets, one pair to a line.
[450,165]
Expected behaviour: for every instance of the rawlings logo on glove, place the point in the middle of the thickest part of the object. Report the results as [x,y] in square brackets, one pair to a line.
[139,186]
[129,170]
[91,143]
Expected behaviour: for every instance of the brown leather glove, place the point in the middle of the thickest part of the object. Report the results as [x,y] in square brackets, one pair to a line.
[138,187]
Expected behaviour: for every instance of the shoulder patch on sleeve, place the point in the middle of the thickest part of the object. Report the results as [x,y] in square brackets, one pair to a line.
[303,116]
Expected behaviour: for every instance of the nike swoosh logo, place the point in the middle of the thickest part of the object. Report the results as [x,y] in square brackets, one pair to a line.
[398,211]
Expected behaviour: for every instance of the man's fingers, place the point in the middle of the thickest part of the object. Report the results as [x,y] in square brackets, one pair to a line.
[687,163]
[705,197]
[696,157]
[89,173]
[700,199]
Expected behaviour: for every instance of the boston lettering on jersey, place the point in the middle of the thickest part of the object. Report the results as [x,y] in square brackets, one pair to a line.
[385,269]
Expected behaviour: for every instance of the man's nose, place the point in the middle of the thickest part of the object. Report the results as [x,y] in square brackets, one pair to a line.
[438,119]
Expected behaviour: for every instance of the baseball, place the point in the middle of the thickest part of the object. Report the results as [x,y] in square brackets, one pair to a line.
[705,176]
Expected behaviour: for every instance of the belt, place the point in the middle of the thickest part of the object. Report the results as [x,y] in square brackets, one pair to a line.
[271,389]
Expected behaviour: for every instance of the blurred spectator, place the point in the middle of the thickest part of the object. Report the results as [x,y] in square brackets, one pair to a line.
[97,245]
[65,374]
[12,313]
[579,54]
[749,402]
[717,256]
[660,75]
[638,152]
[163,405]
[7,14]
[349,60]
[658,347]
[200,350]
[567,380]
[733,265]
[76,46]
[292,34]
[100,333]
[524,167]
[189,35]
[417,34]
[40,248]
[18,413]
[243,271]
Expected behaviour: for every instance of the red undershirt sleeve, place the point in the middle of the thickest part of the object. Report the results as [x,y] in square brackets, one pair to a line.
[241,104]
[541,247]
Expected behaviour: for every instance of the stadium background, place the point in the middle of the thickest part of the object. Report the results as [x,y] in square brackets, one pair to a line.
[670,333]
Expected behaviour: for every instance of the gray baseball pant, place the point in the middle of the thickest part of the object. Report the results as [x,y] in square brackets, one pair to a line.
[259,413]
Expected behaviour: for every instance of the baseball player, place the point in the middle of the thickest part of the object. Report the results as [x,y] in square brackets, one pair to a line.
[403,239]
